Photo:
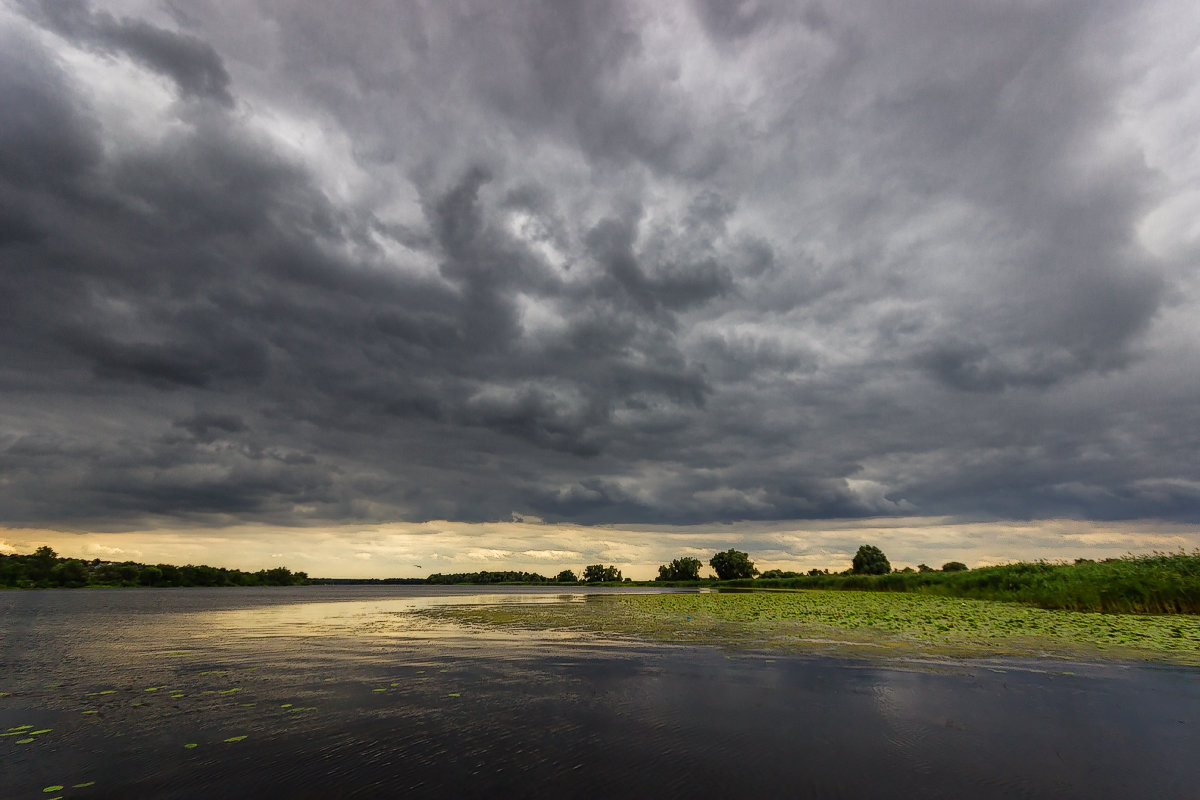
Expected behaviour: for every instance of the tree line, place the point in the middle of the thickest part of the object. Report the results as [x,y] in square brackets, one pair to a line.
[732,565]
[593,573]
[44,568]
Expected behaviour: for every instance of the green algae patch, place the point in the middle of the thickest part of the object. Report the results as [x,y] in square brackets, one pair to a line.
[50,789]
[235,738]
[190,746]
[26,741]
[454,694]
[83,785]
[234,690]
[853,623]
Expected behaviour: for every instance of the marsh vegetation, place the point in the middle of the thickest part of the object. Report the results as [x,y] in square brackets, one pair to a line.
[855,622]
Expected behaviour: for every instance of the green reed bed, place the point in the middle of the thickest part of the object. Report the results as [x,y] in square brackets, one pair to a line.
[1159,583]
[855,623]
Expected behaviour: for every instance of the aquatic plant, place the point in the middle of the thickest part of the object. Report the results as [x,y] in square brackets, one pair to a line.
[854,621]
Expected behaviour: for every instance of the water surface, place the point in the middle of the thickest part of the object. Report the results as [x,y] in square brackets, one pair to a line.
[342,692]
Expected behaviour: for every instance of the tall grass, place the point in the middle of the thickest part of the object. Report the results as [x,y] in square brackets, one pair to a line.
[1159,583]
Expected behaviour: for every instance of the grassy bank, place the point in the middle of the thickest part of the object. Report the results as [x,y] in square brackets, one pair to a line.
[855,622]
[1160,583]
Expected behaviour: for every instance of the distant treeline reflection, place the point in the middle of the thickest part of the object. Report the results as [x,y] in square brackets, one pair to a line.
[44,569]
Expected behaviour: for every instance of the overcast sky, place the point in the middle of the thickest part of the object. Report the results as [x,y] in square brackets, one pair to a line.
[597,264]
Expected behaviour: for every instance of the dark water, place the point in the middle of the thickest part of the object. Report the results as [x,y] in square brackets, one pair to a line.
[341,693]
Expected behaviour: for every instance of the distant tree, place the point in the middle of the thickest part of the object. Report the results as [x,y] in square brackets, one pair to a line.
[732,565]
[598,573]
[39,565]
[924,568]
[566,576]
[150,576]
[815,572]
[908,569]
[277,576]
[870,560]
[69,572]
[684,568]
[954,566]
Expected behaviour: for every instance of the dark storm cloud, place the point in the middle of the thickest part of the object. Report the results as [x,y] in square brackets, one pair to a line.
[600,262]
[192,64]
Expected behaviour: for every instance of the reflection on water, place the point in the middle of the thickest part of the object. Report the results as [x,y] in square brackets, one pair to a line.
[342,692]
[377,616]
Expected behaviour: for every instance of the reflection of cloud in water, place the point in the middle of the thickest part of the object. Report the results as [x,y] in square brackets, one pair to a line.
[391,616]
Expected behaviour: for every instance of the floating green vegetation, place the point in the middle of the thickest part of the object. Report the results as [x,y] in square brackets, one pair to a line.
[177,695]
[852,622]
[98,694]
[286,705]
[39,733]
[25,741]
[50,789]
[83,785]
[455,694]
[190,746]
[234,690]
[380,689]
[90,711]
[154,688]
[236,738]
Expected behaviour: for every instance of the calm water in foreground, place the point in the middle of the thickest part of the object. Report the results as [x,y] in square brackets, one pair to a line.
[340,692]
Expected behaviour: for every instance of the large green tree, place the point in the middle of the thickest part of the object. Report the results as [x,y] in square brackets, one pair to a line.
[733,564]
[684,568]
[598,573]
[870,560]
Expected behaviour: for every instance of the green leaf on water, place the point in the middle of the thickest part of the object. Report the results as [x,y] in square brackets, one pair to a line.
[50,789]
[90,711]
[191,746]
[83,785]
[236,738]
[25,741]
[456,694]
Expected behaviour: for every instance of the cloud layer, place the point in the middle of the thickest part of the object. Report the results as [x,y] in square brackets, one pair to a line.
[598,262]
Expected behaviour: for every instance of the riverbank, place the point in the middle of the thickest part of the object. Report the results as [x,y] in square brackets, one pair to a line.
[854,623]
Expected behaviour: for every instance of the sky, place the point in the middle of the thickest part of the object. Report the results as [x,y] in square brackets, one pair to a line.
[383,289]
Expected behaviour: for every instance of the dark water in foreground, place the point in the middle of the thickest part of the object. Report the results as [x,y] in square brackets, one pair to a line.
[338,692]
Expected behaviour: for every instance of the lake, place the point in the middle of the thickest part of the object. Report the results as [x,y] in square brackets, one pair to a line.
[342,691]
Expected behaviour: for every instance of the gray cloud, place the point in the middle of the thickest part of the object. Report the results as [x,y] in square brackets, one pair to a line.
[597,263]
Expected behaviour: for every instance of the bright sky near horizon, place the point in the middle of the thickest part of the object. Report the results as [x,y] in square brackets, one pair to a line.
[282,282]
